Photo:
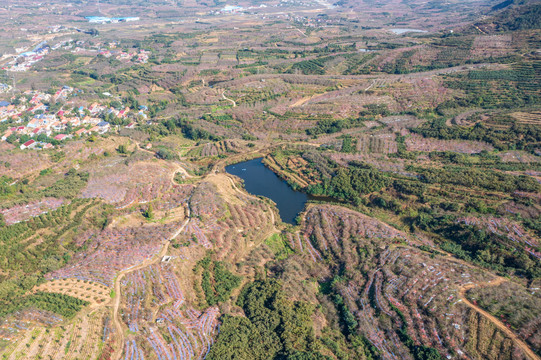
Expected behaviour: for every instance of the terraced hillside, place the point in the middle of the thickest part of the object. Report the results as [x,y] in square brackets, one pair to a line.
[411,127]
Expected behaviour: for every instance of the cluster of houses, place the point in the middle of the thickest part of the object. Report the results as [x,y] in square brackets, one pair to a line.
[140,56]
[35,127]
[25,60]
[66,44]
[109,50]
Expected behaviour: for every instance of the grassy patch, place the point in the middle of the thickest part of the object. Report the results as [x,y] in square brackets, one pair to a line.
[279,246]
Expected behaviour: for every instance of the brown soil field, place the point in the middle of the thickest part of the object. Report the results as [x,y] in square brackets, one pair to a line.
[96,294]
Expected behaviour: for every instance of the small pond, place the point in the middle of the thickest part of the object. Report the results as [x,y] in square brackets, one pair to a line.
[260,180]
[403,31]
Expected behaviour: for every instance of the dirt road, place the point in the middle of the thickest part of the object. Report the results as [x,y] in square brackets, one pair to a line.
[156,258]
[518,342]
[228,99]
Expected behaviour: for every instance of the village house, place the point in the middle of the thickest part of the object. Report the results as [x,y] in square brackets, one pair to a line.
[58,126]
[6,135]
[28,145]
[38,131]
[61,137]
[74,121]
[37,107]
[82,132]
[63,93]
[91,120]
[103,127]
[122,113]
[95,108]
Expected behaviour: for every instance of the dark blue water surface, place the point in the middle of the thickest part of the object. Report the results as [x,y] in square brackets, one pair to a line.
[259,180]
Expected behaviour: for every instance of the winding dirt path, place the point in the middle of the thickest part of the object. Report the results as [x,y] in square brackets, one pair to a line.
[228,99]
[518,342]
[156,258]
[179,169]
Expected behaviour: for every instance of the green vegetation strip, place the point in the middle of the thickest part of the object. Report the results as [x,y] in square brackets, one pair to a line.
[64,305]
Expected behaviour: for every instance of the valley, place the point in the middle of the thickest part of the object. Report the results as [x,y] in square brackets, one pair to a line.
[300,180]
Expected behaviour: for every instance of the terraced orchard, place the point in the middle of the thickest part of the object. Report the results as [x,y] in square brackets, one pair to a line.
[161,325]
[377,272]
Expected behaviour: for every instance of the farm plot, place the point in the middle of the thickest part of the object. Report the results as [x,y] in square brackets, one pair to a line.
[78,340]
[48,337]
[293,169]
[24,212]
[81,150]
[176,197]
[205,201]
[484,340]
[17,349]
[107,336]
[112,250]
[24,320]
[379,161]
[421,295]
[260,92]
[418,292]
[209,59]
[508,229]
[378,144]
[224,226]
[533,118]
[177,334]
[420,93]
[327,230]
[161,325]
[399,123]
[416,142]
[228,58]
[17,164]
[492,45]
[344,106]
[203,95]
[518,157]
[216,148]
[124,185]
[44,234]
[301,167]
[518,307]
[85,290]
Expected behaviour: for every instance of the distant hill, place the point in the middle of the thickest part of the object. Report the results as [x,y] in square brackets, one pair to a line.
[528,17]
[523,15]
[503,5]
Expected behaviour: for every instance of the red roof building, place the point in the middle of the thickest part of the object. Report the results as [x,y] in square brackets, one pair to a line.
[60,137]
[28,144]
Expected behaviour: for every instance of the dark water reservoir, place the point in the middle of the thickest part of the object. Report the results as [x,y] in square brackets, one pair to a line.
[259,180]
